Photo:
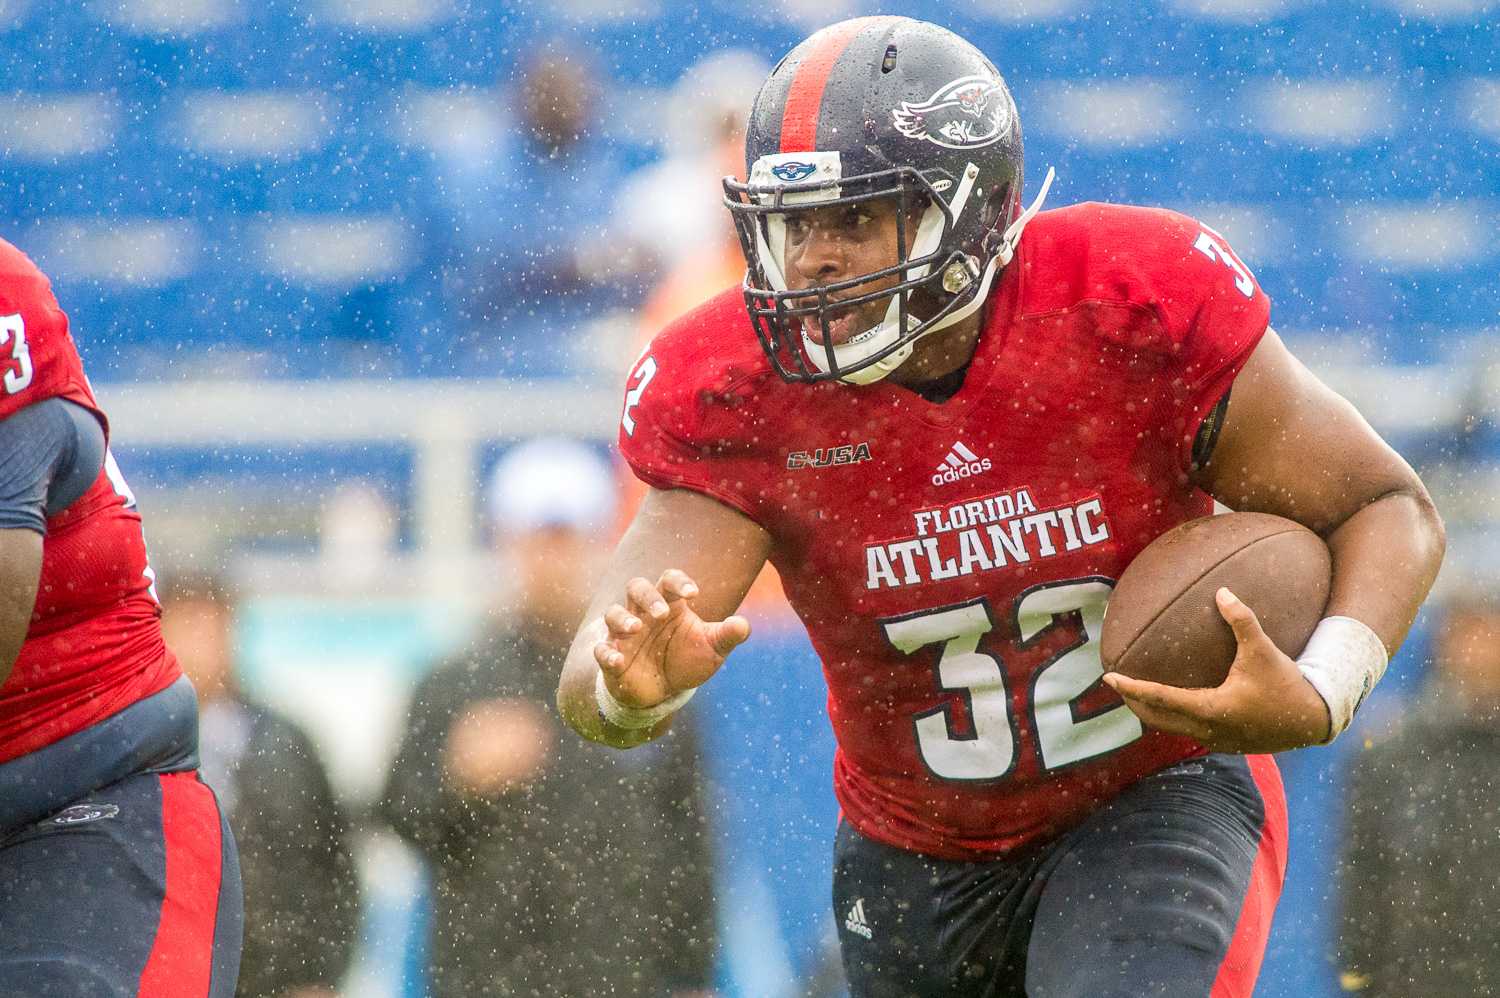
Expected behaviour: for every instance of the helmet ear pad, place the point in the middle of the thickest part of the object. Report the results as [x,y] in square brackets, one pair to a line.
[925,300]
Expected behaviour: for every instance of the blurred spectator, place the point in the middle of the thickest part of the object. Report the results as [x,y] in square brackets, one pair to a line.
[1420,891]
[673,210]
[556,861]
[301,890]
[358,528]
[521,211]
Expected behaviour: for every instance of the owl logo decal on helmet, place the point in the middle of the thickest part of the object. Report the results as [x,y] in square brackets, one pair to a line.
[969,113]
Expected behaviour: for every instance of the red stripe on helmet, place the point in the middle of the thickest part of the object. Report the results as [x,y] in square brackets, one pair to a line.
[799,121]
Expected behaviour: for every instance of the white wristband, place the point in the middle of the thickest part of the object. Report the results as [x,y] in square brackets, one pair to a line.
[635,718]
[1343,660]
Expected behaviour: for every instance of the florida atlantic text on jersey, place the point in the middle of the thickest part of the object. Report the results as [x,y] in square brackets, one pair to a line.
[951,561]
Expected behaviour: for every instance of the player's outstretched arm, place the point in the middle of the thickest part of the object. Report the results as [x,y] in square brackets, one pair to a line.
[1292,446]
[662,618]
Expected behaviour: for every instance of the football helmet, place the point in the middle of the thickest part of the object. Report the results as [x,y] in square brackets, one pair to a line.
[879,109]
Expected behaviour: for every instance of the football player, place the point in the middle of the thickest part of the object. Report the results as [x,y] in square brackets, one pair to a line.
[117,872]
[950,424]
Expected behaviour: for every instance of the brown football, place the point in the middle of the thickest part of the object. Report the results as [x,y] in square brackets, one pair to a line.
[1162,623]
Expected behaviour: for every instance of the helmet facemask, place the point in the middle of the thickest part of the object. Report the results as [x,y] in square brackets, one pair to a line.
[933,281]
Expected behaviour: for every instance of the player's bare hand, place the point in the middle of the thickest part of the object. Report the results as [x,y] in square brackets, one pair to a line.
[1263,705]
[657,645]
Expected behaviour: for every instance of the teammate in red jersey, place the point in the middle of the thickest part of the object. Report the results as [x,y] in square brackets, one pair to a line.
[950,425]
[117,872]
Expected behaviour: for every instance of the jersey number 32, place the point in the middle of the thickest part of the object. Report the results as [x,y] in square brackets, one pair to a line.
[1063,738]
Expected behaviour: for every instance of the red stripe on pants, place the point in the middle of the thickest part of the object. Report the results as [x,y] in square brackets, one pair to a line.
[181,960]
[1241,966]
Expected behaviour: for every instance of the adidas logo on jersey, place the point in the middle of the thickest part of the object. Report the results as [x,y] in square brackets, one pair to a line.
[959,464]
[855,921]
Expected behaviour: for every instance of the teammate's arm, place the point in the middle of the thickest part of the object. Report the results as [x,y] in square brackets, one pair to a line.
[20,572]
[1292,446]
[661,619]
[50,453]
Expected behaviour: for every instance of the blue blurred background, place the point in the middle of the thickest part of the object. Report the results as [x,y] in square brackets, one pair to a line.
[322,279]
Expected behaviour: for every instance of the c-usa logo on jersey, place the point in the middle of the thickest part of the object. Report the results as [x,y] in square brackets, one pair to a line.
[970,112]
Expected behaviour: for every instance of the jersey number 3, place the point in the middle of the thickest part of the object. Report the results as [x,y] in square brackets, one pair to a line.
[13,332]
[1212,245]
[1063,738]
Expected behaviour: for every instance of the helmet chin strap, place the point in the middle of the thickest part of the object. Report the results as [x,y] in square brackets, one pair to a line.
[1012,237]
[872,341]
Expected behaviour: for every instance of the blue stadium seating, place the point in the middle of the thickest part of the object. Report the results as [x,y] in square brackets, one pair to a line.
[1223,107]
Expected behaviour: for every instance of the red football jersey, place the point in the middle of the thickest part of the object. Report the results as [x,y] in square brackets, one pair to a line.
[951,561]
[94,645]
